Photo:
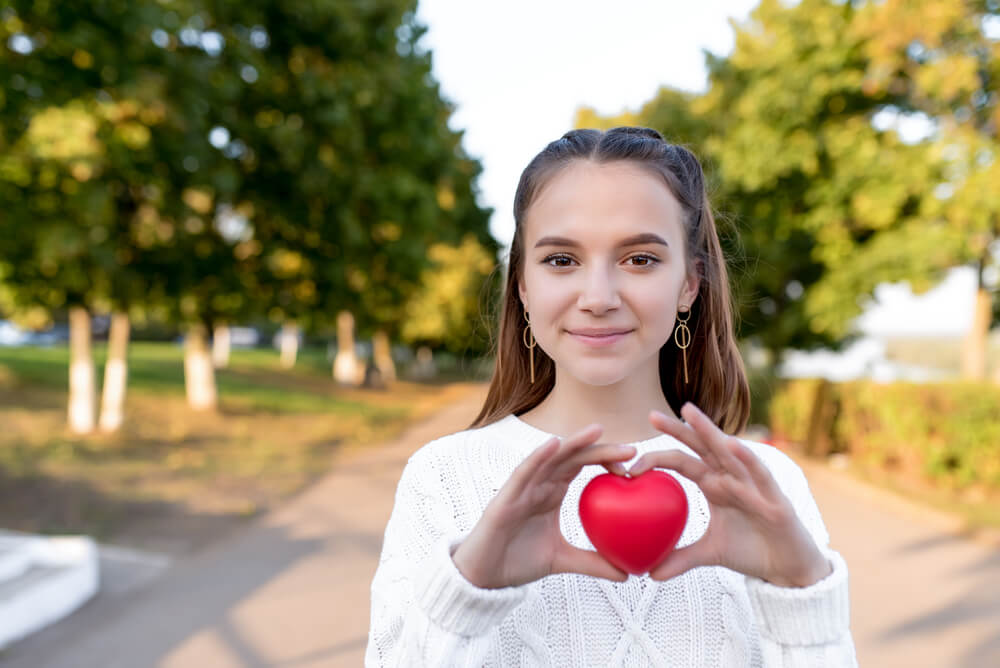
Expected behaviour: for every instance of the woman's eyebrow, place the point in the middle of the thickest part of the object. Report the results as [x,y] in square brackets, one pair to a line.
[634,240]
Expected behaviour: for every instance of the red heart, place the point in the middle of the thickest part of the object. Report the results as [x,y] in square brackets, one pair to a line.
[634,522]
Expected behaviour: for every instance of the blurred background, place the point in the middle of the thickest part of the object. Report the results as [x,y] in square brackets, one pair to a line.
[238,238]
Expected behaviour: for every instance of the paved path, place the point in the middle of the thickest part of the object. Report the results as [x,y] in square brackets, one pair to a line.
[921,593]
[293,590]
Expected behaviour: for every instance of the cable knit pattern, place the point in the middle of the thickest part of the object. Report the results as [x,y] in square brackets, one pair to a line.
[425,613]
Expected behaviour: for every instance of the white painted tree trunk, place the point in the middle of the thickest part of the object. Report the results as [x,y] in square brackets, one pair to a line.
[424,367]
[382,355]
[974,346]
[199,374]
[289,343]
[346,368]
[115,374]
[81,373]
[220,346]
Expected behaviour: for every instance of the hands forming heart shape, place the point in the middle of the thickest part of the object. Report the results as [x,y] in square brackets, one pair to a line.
[753,527]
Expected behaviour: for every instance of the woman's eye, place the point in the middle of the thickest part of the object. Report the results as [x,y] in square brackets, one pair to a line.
[558,260]
[644,260]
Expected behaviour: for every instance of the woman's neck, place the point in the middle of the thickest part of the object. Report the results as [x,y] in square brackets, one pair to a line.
[622,409]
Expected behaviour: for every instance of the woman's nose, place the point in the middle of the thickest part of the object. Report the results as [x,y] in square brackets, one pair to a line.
[599,292]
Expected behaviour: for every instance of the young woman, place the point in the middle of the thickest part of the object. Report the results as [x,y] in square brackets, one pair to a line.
[616,318]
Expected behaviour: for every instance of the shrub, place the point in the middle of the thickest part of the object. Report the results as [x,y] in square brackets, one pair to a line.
[948,432]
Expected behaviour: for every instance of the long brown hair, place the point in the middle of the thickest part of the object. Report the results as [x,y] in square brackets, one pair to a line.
[717,380]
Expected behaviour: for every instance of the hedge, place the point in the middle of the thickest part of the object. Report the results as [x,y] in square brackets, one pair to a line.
[948,432]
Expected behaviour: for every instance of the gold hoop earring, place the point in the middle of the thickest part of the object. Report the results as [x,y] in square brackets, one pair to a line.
[530,346]
[682,337]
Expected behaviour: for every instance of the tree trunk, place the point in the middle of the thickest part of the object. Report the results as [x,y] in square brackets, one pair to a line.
[382,355]
[220,346]
[346,369]
[424,367]
[819,437]
[289,343]
[81,372]
[115,374]
[199,374]
[974,346]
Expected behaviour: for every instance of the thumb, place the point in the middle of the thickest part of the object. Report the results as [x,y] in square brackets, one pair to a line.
[586,562]
[681,561]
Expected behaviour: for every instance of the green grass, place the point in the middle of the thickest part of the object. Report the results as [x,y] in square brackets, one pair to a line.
[173,468]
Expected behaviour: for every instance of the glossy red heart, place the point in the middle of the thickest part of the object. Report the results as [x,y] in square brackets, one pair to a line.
[634,522]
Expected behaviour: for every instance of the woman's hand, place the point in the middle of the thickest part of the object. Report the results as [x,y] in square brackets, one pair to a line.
[518,540]
[753,527]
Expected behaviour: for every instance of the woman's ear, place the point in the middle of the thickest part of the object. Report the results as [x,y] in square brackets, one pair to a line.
[689,291]
[522,293]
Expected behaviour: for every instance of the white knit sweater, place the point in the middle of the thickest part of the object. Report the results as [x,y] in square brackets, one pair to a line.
[425,613]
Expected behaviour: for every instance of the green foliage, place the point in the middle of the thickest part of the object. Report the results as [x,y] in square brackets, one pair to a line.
[214,160]
[445,312]
[763,383]
[820,203]
[824,196]
[948,432]
[790,408]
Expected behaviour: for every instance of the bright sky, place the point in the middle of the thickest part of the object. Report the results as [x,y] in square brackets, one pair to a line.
[518,70]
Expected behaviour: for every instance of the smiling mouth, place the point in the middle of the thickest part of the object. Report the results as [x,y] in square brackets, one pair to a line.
[604,339]
[595,334]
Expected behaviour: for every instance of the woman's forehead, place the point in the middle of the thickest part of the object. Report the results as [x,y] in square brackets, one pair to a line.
[616,198]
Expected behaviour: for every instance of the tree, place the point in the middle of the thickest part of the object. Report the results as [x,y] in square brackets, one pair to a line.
[942,59]
[92,178]
[801,157]
[346,167]
[244,161]
[445,312]
[67,196]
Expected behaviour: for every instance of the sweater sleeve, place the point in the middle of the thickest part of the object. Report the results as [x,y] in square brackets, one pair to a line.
[805,626]
[423,611]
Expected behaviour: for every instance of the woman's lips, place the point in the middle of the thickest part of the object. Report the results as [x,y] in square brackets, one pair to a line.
[598,341]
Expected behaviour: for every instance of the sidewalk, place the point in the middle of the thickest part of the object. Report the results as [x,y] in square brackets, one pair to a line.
[293,590]
[921,593]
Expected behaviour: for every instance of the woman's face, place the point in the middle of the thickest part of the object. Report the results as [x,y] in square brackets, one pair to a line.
[604,270]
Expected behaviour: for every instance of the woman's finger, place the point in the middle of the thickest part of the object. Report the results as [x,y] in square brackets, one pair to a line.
[682,560]
[601,453]
[569,446]
[685,434]
[716,440]
[690,467]
[570,559]
[522,474]
[617,468]
[759,473]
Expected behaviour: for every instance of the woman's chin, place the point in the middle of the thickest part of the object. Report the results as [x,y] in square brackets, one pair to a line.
[600,377]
